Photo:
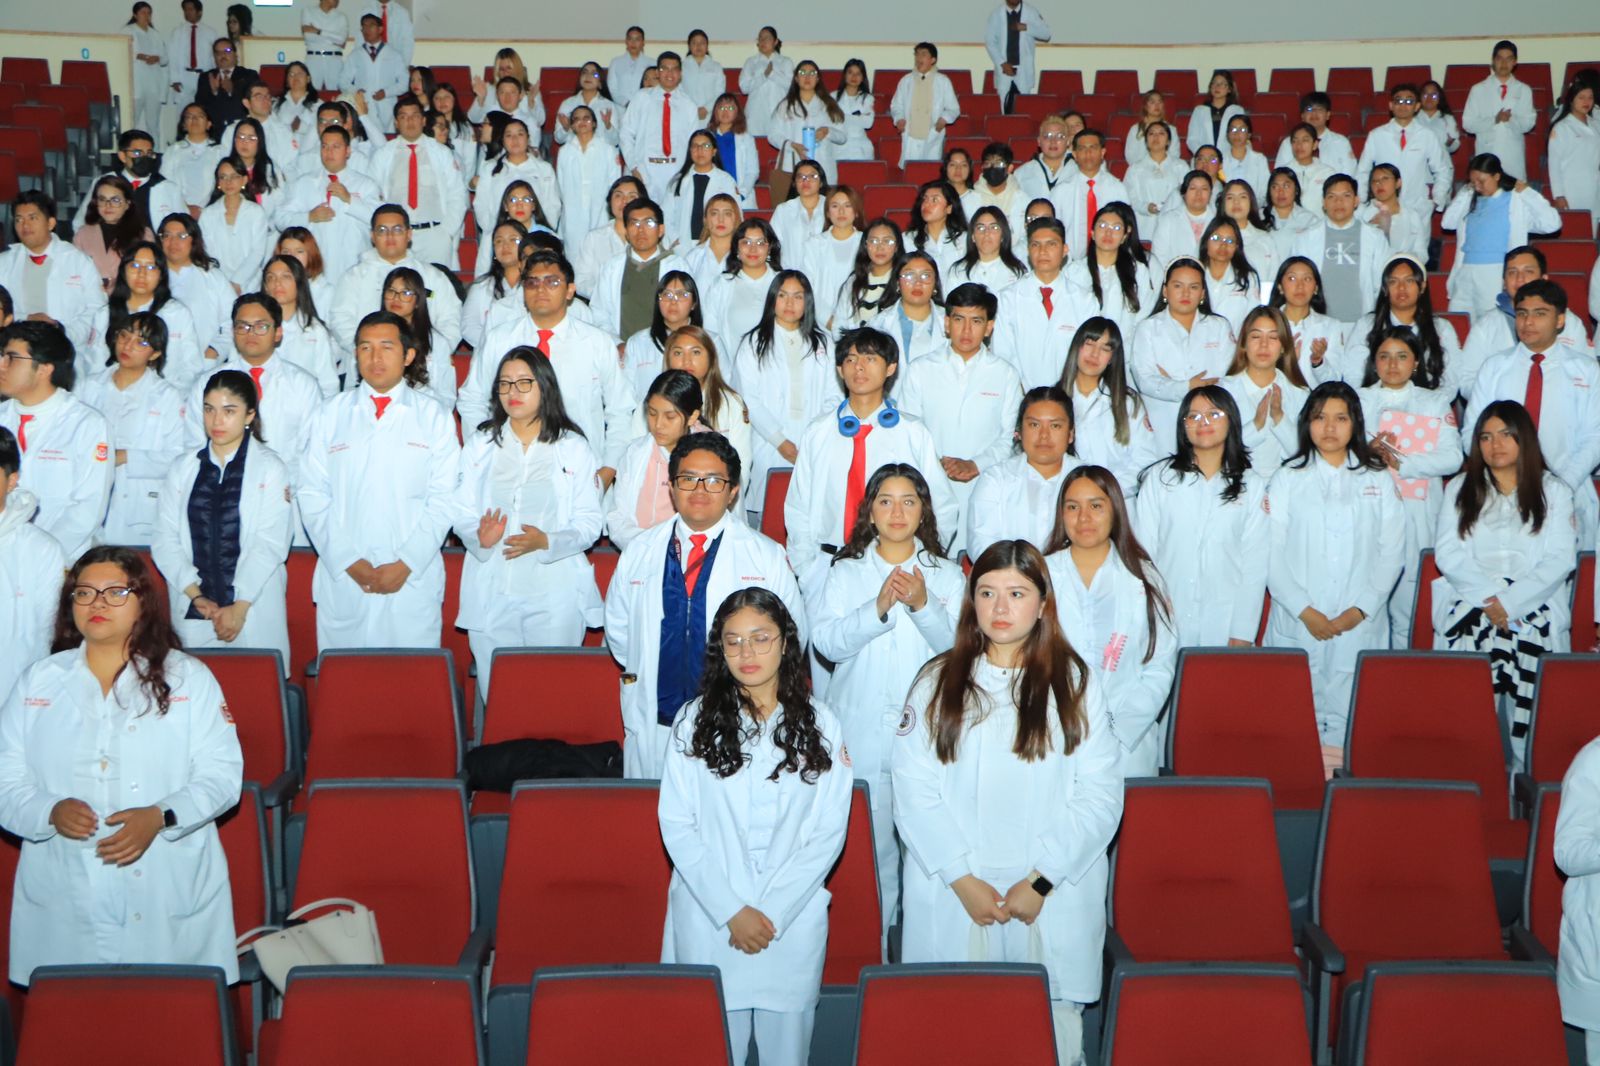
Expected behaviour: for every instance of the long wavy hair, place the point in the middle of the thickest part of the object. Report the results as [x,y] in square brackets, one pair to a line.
[955,223]
[152,638]
[793,106]
[969,262]
[117,302]
[198,256]
[1430,365]
[864,532]
[1242,270]
[421,320]
[1477,482]
[305,306]
[1319,302]
[861,269]
[1360,448]
[554,421]
[1235,456]
[763,338]
[1288,359]
[265,176]
[1126,403]
[727,711]
[658,323]
[774,246]
[1052,672]
[1135,559]
[121,234]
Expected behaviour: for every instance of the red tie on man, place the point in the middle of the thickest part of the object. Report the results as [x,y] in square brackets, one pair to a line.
[666,124]
[855,489]
[194,51]
[697,558]
[411,179]
[255,375]
[333,179]
[1049,307]
[1535,394]
[1094,209]
[544,341]
[22,431]
[1503,88]
[1402,140]
[380,402]
[38,260]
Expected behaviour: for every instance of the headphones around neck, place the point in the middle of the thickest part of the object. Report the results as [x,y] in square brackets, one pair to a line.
[850,425]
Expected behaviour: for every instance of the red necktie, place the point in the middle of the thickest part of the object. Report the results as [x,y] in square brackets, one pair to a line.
[666,124]
[384,8]
[38,260]
[255,375]
[22,431]
[855,489]
[411,179]
[697,557]
[1402,140]
[194,54]
[1094,207]
[137,182]
[1503,91]
[380,402]
[1049,307]
[333,179]
[1535,394]
[544,341]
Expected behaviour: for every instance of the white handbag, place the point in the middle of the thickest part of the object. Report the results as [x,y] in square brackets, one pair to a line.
[344,937]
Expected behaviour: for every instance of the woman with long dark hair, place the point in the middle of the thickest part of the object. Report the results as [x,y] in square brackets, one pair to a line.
[938,225]
[801,217]
[692,349]
[122,865]
[306,342]
[888,604]
[235,226]
[113,224]
[263,176]
[590,93]
[1012,711]
[198,283]
[870,288]
[641,498]
[143,284]
[1338,545]
[1575,146]
[1182,345]
[406,294]
[1111,423]
[1285,214]
[735,302]
[585,167]
[1232,284]
[677,305]
[755,799]
[529,485]
[805,124]
[1115,270]
[498,288]
[1404,301]
[1016,499]
[914,315]
[1183,218]
[1318,339]
[520,202]
[1506,547]
[989,260]
[516,160]
[1265,381]
[1491,214]
[830,256]
[1200,514]
[1114,605]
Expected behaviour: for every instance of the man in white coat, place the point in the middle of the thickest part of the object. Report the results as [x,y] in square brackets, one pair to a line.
[1350,255]
[189,54]
[361,289]
[966,395]
[924,104]
[65,443]
[1039,315]
[1561,390]
[377,495]
[668,586]
[657,126]
[593,388]
[334,202]
[1050,166]
[395,27]
[31,566]
[1499,113]
[1333,147]
[325,30]
[1014,31]
[1090,189]
[1495,331]
[1425,168]
[49,280]
[139,166]
[415,170]
[626,71]
[376,70]
[624,297]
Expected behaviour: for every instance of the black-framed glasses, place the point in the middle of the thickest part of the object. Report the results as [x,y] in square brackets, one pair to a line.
[86,595]
[506,386]
[713,483]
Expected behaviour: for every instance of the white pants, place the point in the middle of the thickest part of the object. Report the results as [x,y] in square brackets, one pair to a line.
[1477,287]
[433,245]
[657,175]
[1068,1018]
[325,71]
[929,147]
[887,846]
[782,1037]
[551,622]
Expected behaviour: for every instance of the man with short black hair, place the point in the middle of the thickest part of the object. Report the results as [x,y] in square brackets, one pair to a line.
[48,279]
[141,167]
[624,296]
[418,172]
[188,49]
[924,104]
[360,289]
[1414,150]
[657,126]
[1495,331]
[1500,112]
[376,70]
[221,90]
[334,200]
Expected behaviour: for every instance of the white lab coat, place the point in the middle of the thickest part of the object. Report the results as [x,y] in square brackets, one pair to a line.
[1273,442]
[68,466]
[767,389]
[266,526]
[679,206]
[1262,252]
[343,238]
[796,228]
[1574,160]
[151,84]
[734,302]
[1408,230]
[492,186]
[1444,127]
[1339,540]
[1176,233]
[387,72]
[1135,150]
[991,815]
[1334,151]
[188,56]
[598,247]
[1493,332]
[601,106]
[1072,204]
[399,31]
[31,574]
[1529,213]
[748,841]
[1164,356]
[1312,243]
[192,167]
[330,31]
[814,510]
[622,501]
[946,251]
[1094,438]
[208,296]
[1201,131]
[860,113]
[360,292]
[1231,301]
[1037,181]
[1028,40]
[482,305]
[945,108]
[786,126]
[173,905]
[583,175]
[1285,230]
[704,81]
[1113,304]
[1577,854]
[1336,359]
[1449,345]
[746,162]
[1135,690]
[1503,139]
[290,399]
[623,75]
[1423,163]
[311,349]
[1444,460]
[993,275]
[1312,177]
[72,292]
[240,249]
[182,361]
[1038,344]
[633,620]
[380,490]
[828,262]
[164,197]
[645,147]
[1252,169]
[448,179]
[605,301]
[1211,552]
[146,420]
[1013,501]
[763,91]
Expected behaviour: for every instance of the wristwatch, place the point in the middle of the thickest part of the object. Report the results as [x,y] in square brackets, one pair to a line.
[169,818]
[1042,884]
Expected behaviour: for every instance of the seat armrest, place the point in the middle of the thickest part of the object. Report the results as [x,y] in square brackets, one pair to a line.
[1526,947]
[280,789]
[1320,949]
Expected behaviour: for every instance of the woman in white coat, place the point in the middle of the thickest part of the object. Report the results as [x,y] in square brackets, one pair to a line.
[1179,227]
[699,179]
[1338,546]
[802,216]
[306,341]
[1575,148]
[225,526]
[1116,271]
[1208,123]
[1007,793]
[764,78]
[236,229]
[709,257]
[1111,423]
[888,604]
[192,158]
[1286,216]
[145,285]
[806,124]
[198,283]
[1405,302]
[1492,202]
[1265,382]
[607,239]
[938,226]
[870,286]
[585,168]
[755,800]
[1016,499]
[530,507]
[1160,169]
[1407,228]
[1240,161]
[1241,204]
[990,259]
[497,291]
[1318,339]
[692,349]
[644,355]
[1507,545]
[641,498]
[123,866]
[703,77]
[604,114]
[737,146]
[829,257]
[1181,345]
[1113,604]
[145,415]
[150,81]
[1413,429]
[1577,854]
[1201,515]
[737,299]
[860,110]
[1232,283]
[516,161]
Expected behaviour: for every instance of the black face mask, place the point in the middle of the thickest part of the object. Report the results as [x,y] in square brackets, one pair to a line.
[995,176]
[144,166]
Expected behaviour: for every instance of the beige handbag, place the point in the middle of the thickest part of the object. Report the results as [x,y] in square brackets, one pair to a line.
[344,937]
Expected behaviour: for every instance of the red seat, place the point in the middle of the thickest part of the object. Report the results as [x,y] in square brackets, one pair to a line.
[1196,876]
[252,684]
[1214,734]
[918,172]
[1285,105]
[1538,932]
[1422,609]
[1464,76]
[604,561]
[131,1015]
[1061,83]
[1179,85]
[884,83]
[1159,1015]
[960,80]
[860,173]
[10,854]
[388,713]
[1005,127]
[243,832]
[1583,620]
[879,200]
[1537,77]
[302,611]
[1575,65]
[1123,84]
[12,94]
[923,1013]
[1576,286]
[1038,106]
[401,849]
[1460,320]
[1576,226]
[1569,257]
[90,74]
[1466,1014]
[459,78]
[336,1016]
[1566,715]
[665,1015]
[25,69]
[772,521]
[1356,80]
[273,75]
[855,922]
[1296,80]
[1096,109]
[454,639]
[49,120]
[1401,873]
[1412,74]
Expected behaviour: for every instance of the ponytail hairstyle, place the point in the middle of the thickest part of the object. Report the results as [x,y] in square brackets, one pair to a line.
[1477,482]
[243,387]
[1489,163]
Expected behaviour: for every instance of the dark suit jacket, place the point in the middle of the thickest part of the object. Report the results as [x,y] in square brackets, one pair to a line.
[224,108]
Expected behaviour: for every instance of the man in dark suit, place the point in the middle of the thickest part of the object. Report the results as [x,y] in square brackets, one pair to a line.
[221,90]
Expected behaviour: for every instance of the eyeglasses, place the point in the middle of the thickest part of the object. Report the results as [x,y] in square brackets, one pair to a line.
[808,177]
[390,231]
[908,277]
[1405,101]
[544,281]
[14,357]
[141,268]
[981,227]
[245,329]
[882,242]
[1109,227]
[86,595]
[505,386]
[760,643]
[402,294]
[1052,136]
[134,339]
[137,153]
[753,242]
[713,483]
[1194,418]
[110,201]
[805,74]
[643,223]
[230,175]
[176,237]
[245,135]
[675,296]
[525,201]
[1217,238]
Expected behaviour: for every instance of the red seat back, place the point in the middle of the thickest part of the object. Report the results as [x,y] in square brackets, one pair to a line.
[772,523]
[1414,74]
[1566,715]
[400,848]
[1474,1014]
[25,69]
[581,848]
[451,637]
[252,686]
[134,1016]
[302,611]
[273,75]
[1583,620]
[1123,84]
[1541,896]
[911,1014]
[1422,609]
[664,1015]
[1350,80]
[855,920]
[1296,80]
[459,78]
[384,714]
[604,561]
[50,121]
[333,1019]
[244,842]
[1181,85]
[90,74]
[884,82]
[555,694]
[10,854]
[1196,874]
[1061,83]
[73,100]
[859,173]
[1160,1015]
[1216,734]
